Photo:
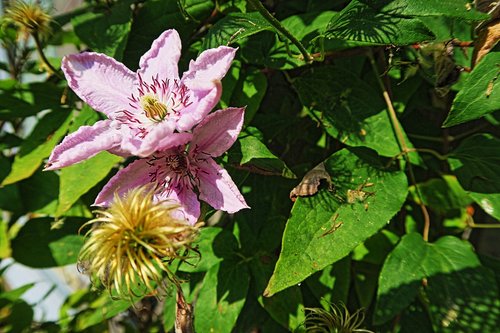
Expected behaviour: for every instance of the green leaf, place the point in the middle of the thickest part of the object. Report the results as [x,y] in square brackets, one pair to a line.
[17,316]
[214,244]
[5,250]
[306,27]
[234,27]
[287,307]
[256,157]
[23,100]
[249,92]
[442,194]
[376,248]
[9,194]
[103,308]
[16,293]
[154,17]
[38,145]
[476,163]
[447,8]
[221,297]
[39,192]
[331,285]
[107,31]
[196,10]
[365,277]
[371,22]
[47,247]
[77,179]
[351,110]
[169,313]
[461,292]
[480,94]
[325,227]
[400,277]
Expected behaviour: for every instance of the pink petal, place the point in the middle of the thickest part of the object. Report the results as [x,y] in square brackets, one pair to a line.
[132,176]
[189,206]
[160,138]
[86,142]
[203,102]
[218,189]
[218,131]
[210,67]
[161,60]
[100,81]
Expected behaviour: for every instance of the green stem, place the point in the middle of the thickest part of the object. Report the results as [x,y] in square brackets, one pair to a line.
[402,143]
[44,59]
[277,24]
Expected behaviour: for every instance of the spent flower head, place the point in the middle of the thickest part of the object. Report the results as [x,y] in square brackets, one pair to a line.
[132,242]
[337,320]
[30,18]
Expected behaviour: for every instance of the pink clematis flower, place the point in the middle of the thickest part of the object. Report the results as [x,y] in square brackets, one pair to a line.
[148,110]
[186,172]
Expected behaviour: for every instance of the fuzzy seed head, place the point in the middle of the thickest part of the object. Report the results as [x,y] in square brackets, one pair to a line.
[29,17]
[132,242]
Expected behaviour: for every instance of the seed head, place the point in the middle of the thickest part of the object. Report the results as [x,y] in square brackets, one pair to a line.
[31,18]
[132,242]
[337,320]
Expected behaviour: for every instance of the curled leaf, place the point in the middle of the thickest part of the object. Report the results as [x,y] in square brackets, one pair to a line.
[311,181]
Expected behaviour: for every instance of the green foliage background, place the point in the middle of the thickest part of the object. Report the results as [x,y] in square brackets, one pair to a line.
[427,171]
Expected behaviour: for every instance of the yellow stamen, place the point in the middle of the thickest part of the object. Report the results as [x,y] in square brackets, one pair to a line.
[153,108]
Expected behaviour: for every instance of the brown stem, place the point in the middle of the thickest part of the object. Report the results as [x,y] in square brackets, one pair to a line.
[184,314]
[402,144]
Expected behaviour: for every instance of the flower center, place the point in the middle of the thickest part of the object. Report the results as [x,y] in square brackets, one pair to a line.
[177,163]
[154,109]
[158,100]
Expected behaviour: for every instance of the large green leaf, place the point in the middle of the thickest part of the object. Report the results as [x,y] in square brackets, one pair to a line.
[325,227]
[234,27]
[351,110]
[107,31]
[221,297]
[371,22]
[480,94]
[38,245]
[462,294]
[77,179]
[38,145]
[476,163]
